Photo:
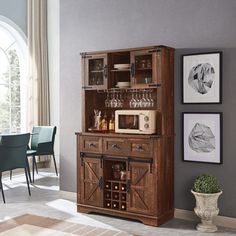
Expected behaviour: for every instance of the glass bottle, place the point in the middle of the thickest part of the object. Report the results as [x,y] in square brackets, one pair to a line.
[112,123]
[104,122]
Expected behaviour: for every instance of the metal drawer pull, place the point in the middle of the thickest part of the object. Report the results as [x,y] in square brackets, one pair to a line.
[115,146]
[100,183]
[91,145]
[139,148]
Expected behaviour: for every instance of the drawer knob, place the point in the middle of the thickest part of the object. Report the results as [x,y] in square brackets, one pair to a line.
[115,146]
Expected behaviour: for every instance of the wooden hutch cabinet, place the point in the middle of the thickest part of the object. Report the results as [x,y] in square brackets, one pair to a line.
[127,174]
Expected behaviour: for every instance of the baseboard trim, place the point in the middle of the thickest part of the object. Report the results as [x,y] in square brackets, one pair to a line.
[68,195]
[224,221]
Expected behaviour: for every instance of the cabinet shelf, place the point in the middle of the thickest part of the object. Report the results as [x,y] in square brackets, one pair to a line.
[137,87]
[120,70]
[139,69]
[96,71]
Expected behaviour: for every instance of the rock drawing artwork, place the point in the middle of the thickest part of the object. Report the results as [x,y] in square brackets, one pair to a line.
[201,78]
[201,138]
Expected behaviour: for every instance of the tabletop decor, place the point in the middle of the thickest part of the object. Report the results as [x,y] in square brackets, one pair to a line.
[202,78]
[202,140]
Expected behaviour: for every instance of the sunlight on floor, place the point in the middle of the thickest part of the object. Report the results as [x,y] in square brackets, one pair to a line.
[70,208]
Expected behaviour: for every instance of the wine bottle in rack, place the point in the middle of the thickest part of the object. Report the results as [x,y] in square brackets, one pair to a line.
[123,187]
[116,186]
[123,206]
[123,197]
[116,196]
[108,185]
[108,195]
[115,205]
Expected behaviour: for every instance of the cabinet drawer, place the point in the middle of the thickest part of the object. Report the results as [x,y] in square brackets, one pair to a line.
[115,146]
[91,144]
[141,148]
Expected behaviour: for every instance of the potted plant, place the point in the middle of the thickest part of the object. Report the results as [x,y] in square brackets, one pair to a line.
[206,191]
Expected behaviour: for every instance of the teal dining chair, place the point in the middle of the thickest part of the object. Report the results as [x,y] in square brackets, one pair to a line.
[13,150]
[42,143]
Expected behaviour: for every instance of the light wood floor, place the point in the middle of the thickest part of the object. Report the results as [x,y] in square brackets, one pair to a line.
[46,201]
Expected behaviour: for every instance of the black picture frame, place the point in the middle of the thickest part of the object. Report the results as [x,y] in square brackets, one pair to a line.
[195,89]
[202,137]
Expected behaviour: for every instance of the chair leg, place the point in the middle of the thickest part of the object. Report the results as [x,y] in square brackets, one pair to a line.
[10,174]
[28,169]
[27,180]
[55,164]
[35,164]
[3,197]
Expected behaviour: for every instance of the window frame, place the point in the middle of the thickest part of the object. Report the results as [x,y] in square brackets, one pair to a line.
[20,42]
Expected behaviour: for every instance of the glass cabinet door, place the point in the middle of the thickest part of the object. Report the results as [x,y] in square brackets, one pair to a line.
[144,67]
[95,71]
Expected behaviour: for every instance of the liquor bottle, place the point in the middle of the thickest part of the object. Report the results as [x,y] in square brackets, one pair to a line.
[104,122]
[112,123]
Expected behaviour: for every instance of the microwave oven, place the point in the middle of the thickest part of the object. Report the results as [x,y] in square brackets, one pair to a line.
[135,121]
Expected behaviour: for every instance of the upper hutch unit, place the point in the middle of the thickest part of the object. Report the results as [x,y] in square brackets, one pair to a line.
[126,174]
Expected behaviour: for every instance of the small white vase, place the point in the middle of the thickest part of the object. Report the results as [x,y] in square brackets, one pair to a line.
[206,208]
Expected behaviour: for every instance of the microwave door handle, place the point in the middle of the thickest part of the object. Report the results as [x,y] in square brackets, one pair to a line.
[140,114]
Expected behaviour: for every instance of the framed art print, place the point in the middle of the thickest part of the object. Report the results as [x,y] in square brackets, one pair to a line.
[202,141]
[202,78]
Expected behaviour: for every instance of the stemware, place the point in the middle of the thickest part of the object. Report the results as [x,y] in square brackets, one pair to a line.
[107,101]
[143,101]
[137,100]
[120,100]
[132,100]
[151,100]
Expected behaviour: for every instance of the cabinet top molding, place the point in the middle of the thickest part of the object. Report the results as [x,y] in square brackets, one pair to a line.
[157,47]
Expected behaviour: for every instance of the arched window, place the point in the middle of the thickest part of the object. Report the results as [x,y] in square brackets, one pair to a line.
[13,69]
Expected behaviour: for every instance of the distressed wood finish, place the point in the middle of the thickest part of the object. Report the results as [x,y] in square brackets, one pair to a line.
[141,148]
[91,173]
[141,194]
[91,144]
[115,146]
[147,192]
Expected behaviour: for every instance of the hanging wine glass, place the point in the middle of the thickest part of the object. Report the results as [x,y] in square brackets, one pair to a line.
[107,101]
[151,100]
[148,102]
[120,100]
[137,100]
[132,100]
[112,100]
[143,102]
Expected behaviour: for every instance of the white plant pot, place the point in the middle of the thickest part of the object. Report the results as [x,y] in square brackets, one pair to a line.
[206,208]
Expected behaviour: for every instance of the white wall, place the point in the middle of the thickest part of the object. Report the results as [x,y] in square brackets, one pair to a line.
[53,56]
